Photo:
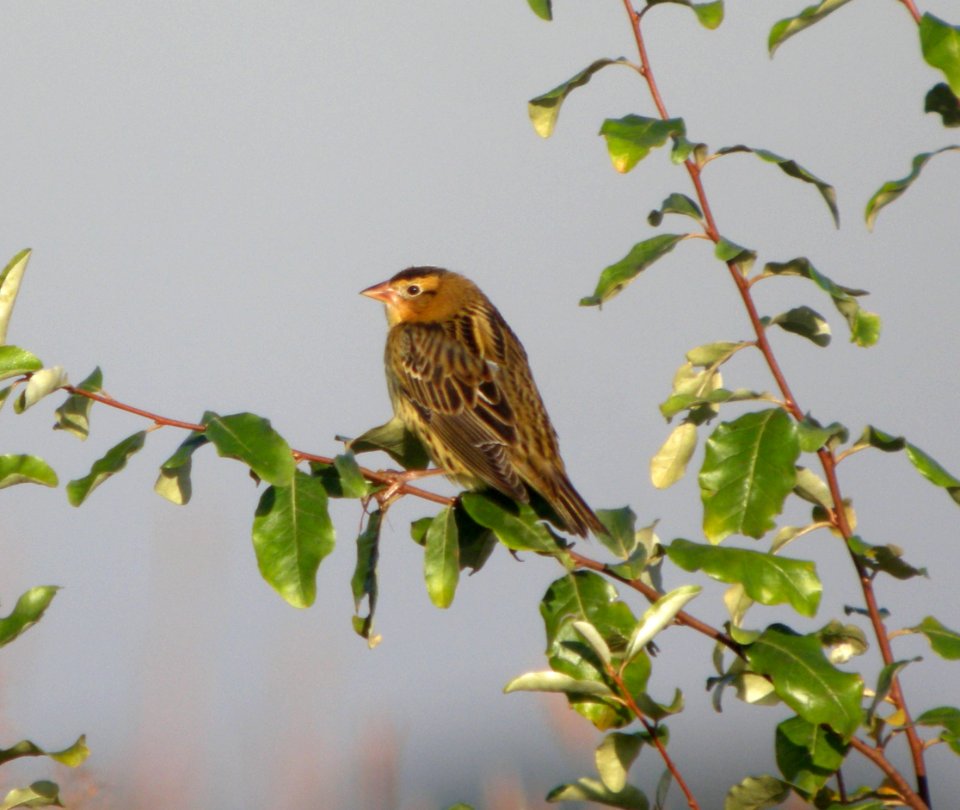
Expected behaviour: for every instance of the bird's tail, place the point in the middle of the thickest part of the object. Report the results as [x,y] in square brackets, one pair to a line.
[578,518]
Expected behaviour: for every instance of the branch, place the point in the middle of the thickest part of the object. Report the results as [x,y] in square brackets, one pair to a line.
[652,595]
[912,8]
[896,778]
[828,461]
[627,698]
[384,477]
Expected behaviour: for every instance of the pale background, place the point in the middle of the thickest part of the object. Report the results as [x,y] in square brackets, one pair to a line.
[206,187]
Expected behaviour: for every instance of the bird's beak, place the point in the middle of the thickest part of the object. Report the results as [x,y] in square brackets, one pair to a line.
[380,292]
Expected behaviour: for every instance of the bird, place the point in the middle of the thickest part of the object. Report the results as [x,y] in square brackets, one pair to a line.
[459,380]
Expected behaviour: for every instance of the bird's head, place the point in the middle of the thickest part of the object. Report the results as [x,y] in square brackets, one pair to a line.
[422,295]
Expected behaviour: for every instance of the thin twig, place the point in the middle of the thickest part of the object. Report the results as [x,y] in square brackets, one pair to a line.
[914,11]
[896,778]
[384,477]
[627,697]
[652,595]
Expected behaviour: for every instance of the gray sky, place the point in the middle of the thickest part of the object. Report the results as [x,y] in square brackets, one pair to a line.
[206,188]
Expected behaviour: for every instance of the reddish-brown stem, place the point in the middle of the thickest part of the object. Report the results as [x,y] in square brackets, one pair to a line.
[627,698]
[106,399]
[374,476]
[896,778]
[838,516]
[914,11]
[652,595]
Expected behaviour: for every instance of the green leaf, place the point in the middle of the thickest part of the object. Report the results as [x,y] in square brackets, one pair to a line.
[543,10]
[476,542]
[842,641]
[786,28]
[690,389]
[548,681]
[25,469]
[15,361]
[630,139]
[614,756]
[643,254]
[544,110]
[949,718]
[885,683]
[39,794]
[813,435]
[72,756]
[806,681]
[586,596]
[441,558]
[395,440]
[892,189]
[807,754]
[930,469]
[590,790]
[676,204]
[364,582]
[645,560]
[292,533]
[74,415]
[703,408]
[793,169]
[732,253]
[523,532]
[352,482]
[748,471]
[864,326]
[943,641]
[715,354]
[621,536]
[812,488]
[684,149]
[174,483]
[805,322]
[881,440]
[110,464]
[250,438]
[766,578]
[663,788]
[27,612]
[925,464]
[709,14]
[657,617]
[756,793]
[41,384]
[940,99]
[940,44]
[669,463]
[10,279]
[583,596]
[592,636]
[887,558]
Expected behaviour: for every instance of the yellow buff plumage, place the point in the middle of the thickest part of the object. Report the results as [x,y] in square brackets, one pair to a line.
[459,380]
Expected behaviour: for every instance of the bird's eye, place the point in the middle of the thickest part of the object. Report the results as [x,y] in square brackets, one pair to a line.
[413,290]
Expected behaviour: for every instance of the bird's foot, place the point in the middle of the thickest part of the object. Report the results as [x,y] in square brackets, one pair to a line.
[398,480]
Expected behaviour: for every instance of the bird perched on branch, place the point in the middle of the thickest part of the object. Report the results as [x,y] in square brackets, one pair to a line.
[459,380]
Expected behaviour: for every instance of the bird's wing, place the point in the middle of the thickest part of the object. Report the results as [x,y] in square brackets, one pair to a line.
[460,397]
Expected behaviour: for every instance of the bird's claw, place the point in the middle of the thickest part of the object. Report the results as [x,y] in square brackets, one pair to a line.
[398,481]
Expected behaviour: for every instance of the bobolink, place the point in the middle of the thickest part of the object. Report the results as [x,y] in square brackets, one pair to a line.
[458,378]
